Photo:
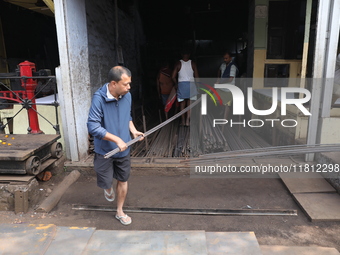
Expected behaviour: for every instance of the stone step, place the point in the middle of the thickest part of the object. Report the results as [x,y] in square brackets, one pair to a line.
[51,239]
[70,240]
[25,238]
[232,243]
[147,242]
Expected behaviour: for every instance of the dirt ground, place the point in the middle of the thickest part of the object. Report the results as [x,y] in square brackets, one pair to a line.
[181,191]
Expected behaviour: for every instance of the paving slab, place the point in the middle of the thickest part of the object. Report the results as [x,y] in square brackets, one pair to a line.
[306,182]
[232,243]
[26,238]
[147,242]
[70,240]
[297,250]
[320,206]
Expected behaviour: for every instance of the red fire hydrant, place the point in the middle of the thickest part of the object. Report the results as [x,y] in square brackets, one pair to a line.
[26,69]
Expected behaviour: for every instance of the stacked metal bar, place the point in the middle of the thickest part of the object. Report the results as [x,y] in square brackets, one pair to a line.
[169,139]
[173,140]
[268,151]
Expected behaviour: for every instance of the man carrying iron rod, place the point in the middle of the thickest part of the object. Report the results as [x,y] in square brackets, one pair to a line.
[110,124]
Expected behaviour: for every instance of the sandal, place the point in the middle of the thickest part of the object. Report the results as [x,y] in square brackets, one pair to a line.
[109,196]
[120,218]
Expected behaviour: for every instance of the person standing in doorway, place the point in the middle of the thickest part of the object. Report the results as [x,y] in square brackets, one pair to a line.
[110,123]
[184,75]
[164,84]
[227,74]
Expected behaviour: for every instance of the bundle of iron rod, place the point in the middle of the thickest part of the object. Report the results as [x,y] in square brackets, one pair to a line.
[174,140]
[113,152]
[183,143]
[162,145]
[170,141]
[205,138]
[269,151]
[243,138]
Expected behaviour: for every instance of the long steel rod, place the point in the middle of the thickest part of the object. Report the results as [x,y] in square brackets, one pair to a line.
[269,149]
[113,152]
[287,152]
[220,212]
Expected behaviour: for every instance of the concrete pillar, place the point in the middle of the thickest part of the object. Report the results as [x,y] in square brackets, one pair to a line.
[327,35]
[330,57]
[74,75]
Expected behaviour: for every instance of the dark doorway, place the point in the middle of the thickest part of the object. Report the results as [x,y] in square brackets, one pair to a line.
[207,27]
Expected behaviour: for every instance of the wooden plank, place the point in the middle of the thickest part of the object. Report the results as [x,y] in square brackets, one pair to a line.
[167,160]
[47,163]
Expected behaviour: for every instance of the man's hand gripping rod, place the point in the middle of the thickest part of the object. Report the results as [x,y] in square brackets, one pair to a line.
[115,151]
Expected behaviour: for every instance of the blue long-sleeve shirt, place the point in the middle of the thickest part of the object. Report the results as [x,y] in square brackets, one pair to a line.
[109,115]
